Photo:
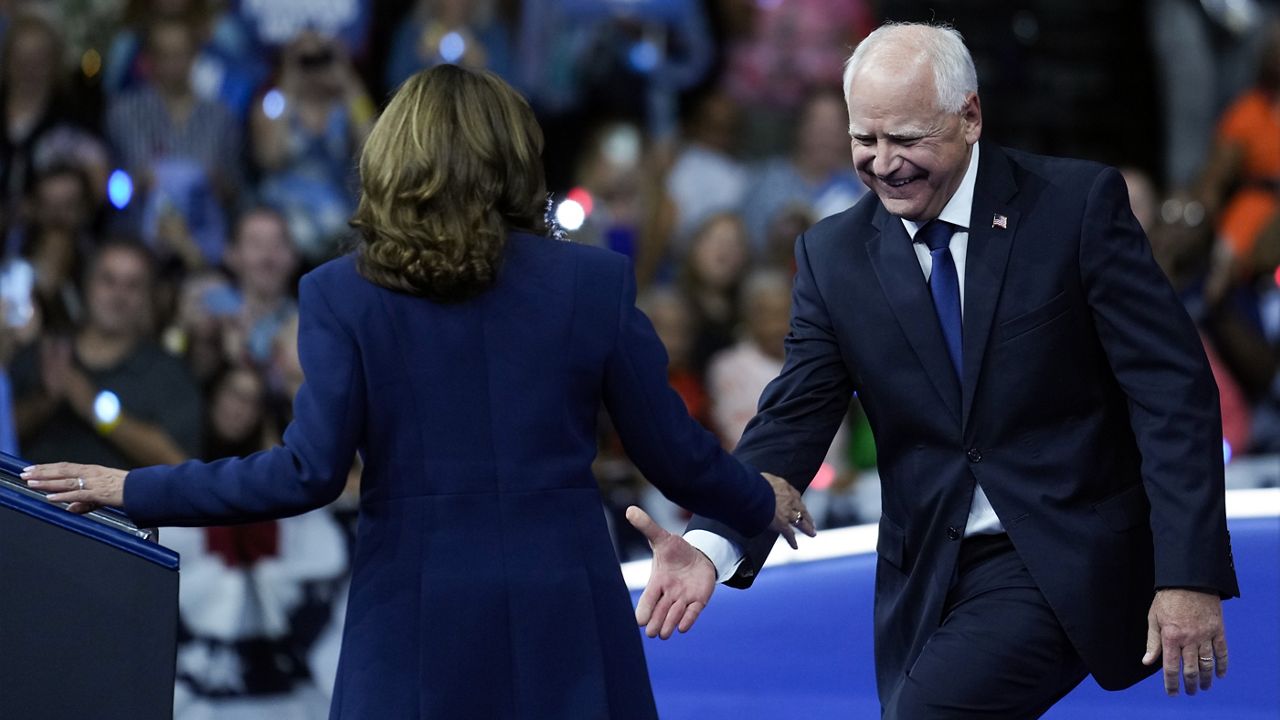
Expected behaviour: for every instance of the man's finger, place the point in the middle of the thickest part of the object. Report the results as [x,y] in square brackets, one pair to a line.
[1171,669]
[691,614]
[1190,668]
[673,618]
[806,524]
[1205,662]
[1220,654]
[790,535]
[1153,642]
[659,615]
[641,521]
[644,607]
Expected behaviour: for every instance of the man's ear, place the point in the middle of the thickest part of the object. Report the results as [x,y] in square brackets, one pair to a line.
[971,117]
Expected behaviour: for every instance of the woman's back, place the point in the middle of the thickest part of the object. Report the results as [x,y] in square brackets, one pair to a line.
[467,363]
[498,393]
[484,582]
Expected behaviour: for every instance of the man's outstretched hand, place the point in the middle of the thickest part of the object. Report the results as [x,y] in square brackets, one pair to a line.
[681,580]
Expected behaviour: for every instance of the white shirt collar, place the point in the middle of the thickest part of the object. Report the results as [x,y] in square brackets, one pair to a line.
[959,208]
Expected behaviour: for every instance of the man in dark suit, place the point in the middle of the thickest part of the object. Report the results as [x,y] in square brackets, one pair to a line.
[1047,427]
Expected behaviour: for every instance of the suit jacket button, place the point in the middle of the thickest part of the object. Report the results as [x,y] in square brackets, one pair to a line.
[953,533]
[975,455]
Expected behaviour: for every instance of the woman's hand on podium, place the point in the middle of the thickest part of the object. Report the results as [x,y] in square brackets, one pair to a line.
[85,487]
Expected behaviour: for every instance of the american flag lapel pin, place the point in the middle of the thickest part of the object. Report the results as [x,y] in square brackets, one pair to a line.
[1000,221]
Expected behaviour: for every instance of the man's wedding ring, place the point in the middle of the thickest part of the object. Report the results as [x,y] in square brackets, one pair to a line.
[1206,661]
[80,482]
[796,520]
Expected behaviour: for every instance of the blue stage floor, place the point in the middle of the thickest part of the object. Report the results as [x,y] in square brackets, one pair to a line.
[798,644]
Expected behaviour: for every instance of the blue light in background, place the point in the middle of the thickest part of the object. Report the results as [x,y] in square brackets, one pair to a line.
[643,56]
[452,46]
[120,189]
[273,103]
[1226,452]
[106,407]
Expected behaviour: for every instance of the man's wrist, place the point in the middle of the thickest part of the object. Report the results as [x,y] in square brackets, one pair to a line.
[725,556]
[1206,590]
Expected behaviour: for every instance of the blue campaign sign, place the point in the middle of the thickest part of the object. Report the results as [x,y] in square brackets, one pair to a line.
[276,22]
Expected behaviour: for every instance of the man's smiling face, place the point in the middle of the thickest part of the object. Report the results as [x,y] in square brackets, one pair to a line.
[908,151]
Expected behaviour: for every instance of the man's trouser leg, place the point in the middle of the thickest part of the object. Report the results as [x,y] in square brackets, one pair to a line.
[999,653]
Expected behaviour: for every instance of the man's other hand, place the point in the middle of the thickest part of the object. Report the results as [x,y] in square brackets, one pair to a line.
[1185,626]
[680,582]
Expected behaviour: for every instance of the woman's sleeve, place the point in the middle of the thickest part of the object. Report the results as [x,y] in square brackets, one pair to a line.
[674,452]
[307,471]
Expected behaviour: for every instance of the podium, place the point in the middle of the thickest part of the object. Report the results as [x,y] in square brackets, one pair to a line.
[88,611]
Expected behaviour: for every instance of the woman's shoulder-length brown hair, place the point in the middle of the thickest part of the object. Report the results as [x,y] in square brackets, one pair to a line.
[452,164]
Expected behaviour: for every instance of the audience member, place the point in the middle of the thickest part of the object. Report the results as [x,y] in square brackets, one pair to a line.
[1203,52]
[630,212]
[225,69]
[182,151]
[1240,186]
[305,134]
[53,239]
[816,174]
[782,51]
[108,395]
[33,101]
[780,238]
[718,259]
[465,32]
[738,375]
[706,178]
[255,597]
[264,264]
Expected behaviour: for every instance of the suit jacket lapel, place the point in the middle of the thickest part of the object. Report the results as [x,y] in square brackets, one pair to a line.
[898,271]
[985,261]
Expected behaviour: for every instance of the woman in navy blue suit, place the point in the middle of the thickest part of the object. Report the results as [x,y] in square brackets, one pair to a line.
[464,356]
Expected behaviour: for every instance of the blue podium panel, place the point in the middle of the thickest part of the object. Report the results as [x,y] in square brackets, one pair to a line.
[88,613]
[798,644]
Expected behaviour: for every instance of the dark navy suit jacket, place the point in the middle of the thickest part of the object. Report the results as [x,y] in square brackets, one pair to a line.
[1087,409]
[484,582]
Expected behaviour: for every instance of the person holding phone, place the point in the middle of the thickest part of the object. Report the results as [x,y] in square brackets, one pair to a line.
[304,134]
[464,355]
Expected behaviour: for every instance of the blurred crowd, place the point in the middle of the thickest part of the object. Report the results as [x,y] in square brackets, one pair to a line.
[169,169]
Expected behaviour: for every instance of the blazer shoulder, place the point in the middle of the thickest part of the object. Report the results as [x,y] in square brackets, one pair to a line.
[564,251]
[340,272]
[567,261]
[1068,173]
[844,226]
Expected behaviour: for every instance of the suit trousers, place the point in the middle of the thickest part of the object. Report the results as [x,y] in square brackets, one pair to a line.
[999,652]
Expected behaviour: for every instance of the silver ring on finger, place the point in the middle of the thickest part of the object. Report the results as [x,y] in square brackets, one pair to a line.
[796,520]
[1206,661]
[80,482]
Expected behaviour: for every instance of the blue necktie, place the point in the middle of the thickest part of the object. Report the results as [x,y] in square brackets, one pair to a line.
[944,284]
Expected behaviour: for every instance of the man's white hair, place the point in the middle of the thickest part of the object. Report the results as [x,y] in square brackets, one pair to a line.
[954,76]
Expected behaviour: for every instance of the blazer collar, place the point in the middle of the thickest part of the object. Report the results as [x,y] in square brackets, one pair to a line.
[992,226]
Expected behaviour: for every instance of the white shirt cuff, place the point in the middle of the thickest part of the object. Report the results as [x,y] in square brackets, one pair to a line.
[724,553]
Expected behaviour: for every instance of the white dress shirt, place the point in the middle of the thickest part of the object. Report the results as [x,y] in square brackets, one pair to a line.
[724,553]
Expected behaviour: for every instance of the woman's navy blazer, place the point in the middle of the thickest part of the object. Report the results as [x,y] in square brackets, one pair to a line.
[484,582]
